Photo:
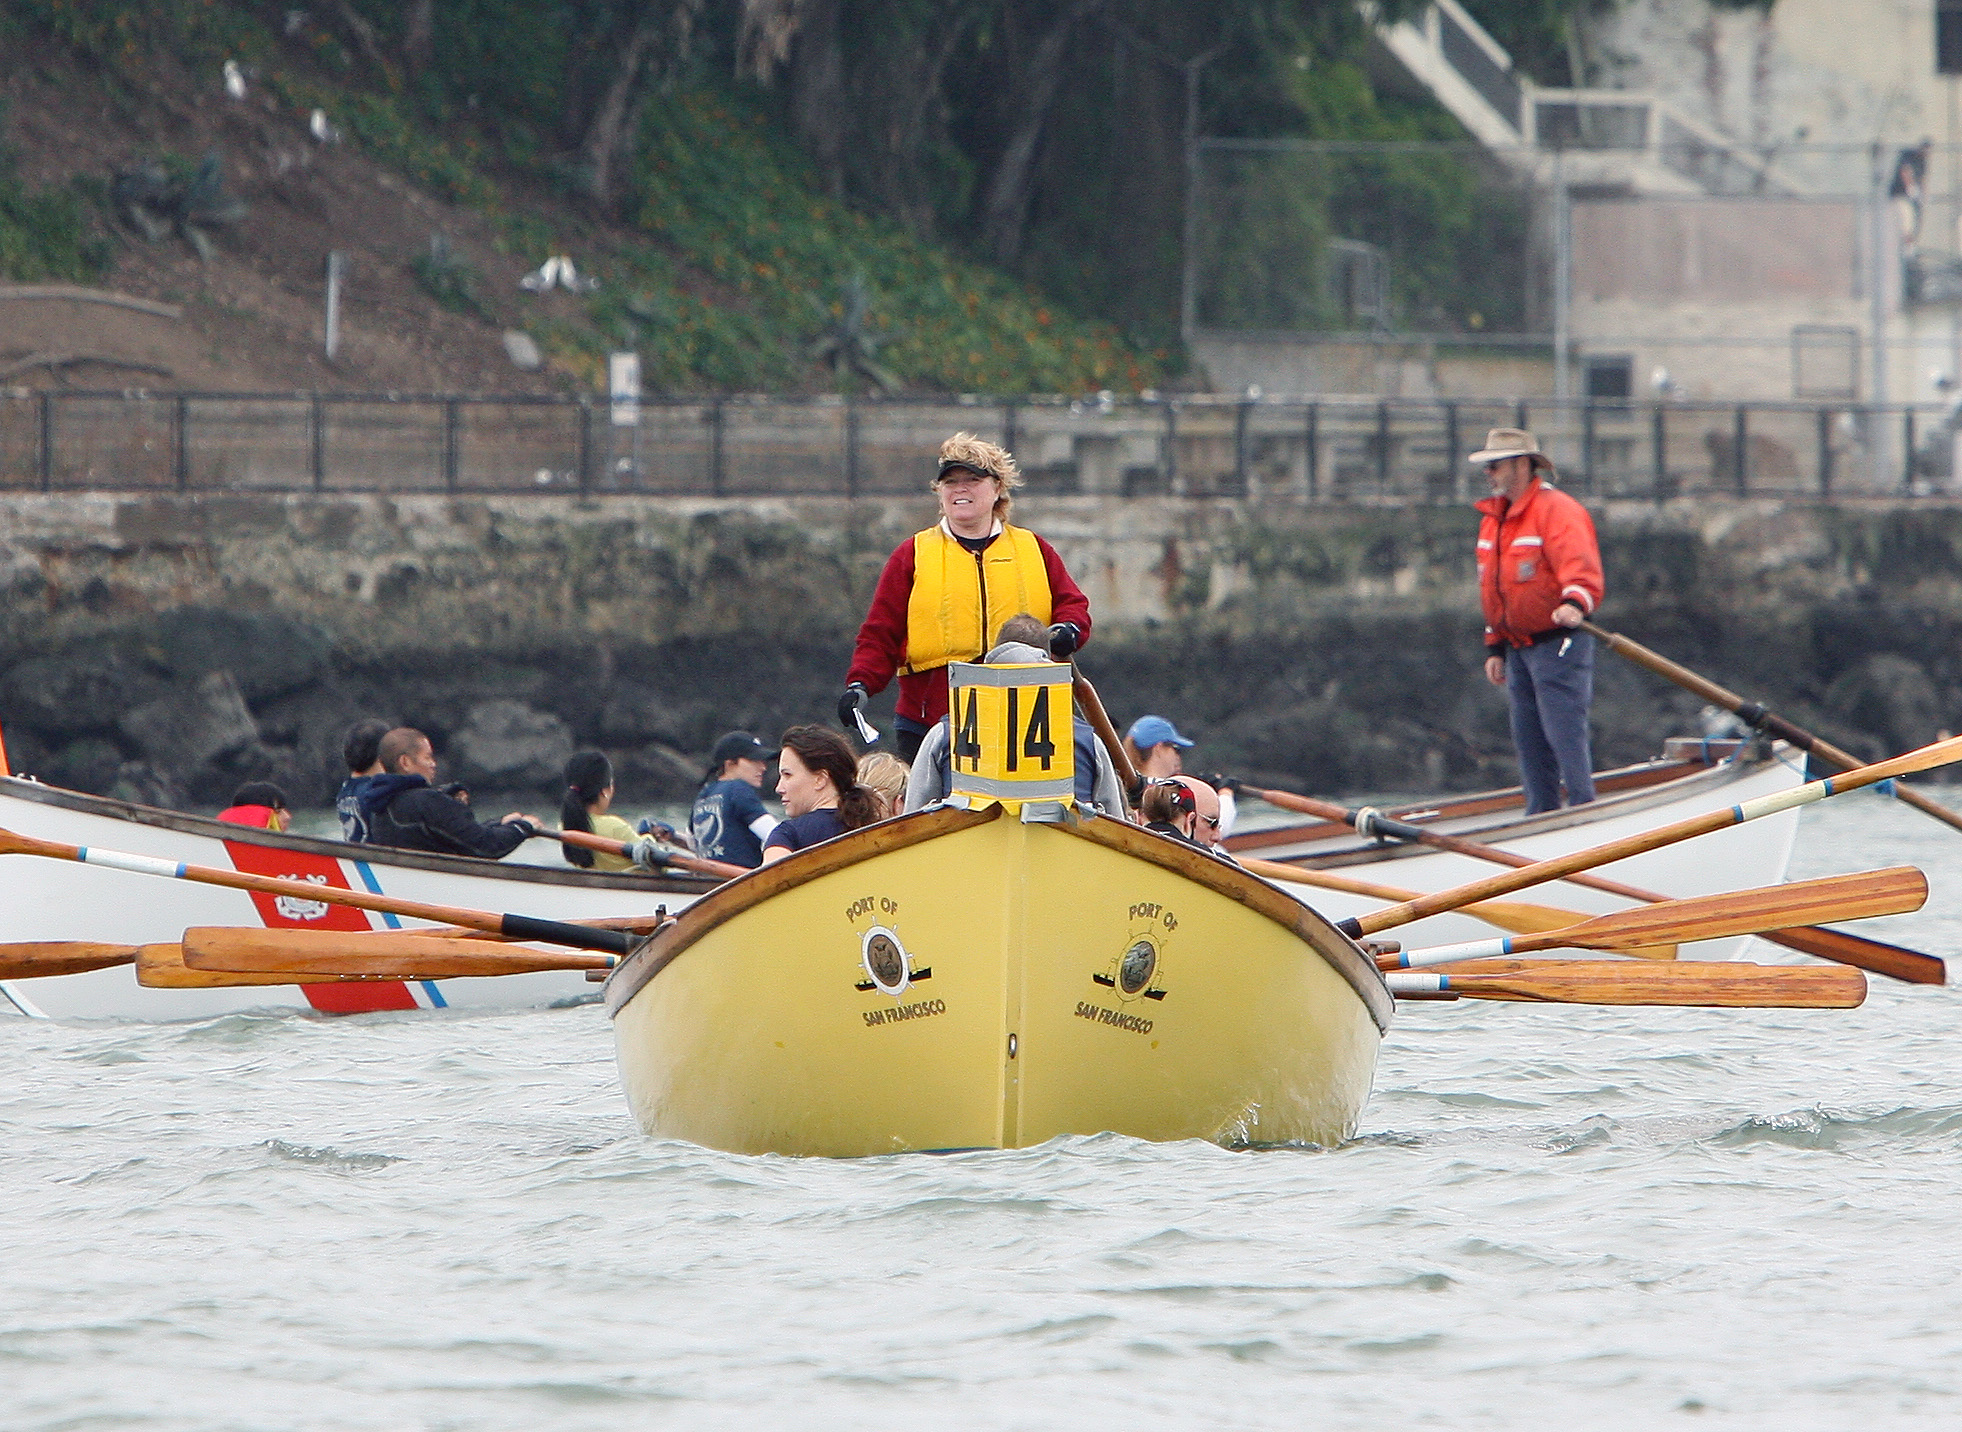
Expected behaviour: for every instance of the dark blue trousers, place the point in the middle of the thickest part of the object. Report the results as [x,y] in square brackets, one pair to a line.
[1550,688]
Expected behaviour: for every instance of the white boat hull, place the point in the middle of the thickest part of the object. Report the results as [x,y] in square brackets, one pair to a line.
[45,899]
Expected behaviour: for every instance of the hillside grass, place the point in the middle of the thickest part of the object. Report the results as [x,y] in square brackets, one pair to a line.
[732,265]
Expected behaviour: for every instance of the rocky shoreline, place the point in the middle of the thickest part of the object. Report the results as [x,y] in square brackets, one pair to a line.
[165,650]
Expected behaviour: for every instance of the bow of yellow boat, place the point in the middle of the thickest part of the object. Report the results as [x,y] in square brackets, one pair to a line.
[962,979]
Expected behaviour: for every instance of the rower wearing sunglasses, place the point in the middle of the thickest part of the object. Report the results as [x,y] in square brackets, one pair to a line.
[1184,808]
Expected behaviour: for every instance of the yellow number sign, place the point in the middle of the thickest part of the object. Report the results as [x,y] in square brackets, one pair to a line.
[1010,737]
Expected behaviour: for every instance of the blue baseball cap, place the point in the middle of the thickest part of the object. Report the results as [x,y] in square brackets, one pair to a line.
[1149,731]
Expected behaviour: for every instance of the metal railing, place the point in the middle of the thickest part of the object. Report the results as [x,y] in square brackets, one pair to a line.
[1333,449]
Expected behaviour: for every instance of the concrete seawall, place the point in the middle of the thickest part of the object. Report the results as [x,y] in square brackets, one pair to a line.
[170,647]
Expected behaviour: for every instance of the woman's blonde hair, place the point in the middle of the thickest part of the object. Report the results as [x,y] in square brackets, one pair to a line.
[989,459]
[884,774]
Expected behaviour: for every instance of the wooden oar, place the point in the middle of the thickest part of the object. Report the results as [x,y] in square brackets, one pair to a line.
[1706,917]
[163,967]
[1757,717]
[1100,722]
[396,956]
[1707,983]
[36,959]
[1892,960]
[519,927]
[693,864]
[1941,753]
[1513,915]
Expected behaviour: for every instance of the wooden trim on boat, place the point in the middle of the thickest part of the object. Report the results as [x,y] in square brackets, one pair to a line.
[380,855]
[1224,878]
[745,891]
[1435,813]
[1691,787]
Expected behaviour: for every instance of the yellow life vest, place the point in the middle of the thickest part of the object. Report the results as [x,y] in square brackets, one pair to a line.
[951,616]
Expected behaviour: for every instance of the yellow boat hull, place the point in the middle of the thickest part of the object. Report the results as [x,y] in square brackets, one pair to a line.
[961,979]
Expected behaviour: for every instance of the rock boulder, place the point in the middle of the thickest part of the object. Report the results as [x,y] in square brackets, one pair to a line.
[506,744]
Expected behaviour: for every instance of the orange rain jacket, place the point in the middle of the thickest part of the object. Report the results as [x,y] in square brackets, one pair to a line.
[1532,556]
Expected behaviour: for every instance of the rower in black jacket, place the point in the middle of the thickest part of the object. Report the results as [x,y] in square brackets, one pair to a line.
[404,809]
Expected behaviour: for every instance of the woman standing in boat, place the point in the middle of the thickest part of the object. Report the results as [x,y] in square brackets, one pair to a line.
[817,780]
[946,591]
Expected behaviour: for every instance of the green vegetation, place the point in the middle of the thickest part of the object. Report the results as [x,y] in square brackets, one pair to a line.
[735,200]
[450,280]
[47,233]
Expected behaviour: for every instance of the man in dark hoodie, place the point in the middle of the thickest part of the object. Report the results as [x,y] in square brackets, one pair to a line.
[404,809]
[362,752]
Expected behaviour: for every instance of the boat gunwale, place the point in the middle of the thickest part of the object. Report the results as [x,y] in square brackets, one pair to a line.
[1222,877]
[732,897]
[110,808]
[1685,787]
[1621,782]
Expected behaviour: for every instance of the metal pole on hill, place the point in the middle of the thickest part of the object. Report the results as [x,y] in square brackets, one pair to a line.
[336,269]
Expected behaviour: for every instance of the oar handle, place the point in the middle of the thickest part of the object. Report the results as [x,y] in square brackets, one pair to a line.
[693,864]
[1100,722]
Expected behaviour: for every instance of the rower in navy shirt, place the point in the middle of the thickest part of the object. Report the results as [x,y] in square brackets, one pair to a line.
[818,781]
[729,822]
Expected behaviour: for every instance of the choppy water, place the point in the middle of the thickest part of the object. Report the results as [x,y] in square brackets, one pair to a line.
[1556,1217]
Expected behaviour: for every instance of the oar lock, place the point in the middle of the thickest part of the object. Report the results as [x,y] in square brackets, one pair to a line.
[637,943]
[1372,824]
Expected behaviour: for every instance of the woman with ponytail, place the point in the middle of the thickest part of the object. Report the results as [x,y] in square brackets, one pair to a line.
[818,783]
[588,794]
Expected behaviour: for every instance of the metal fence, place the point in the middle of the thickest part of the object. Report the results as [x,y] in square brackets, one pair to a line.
[1336,449]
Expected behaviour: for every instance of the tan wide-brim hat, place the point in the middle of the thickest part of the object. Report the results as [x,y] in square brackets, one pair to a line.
[1511,442]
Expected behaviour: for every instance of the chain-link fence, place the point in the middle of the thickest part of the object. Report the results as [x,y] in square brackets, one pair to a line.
[1396,450]
[1627,255]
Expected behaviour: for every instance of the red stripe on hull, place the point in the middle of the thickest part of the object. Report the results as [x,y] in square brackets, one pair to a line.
[282,912]
[359,996]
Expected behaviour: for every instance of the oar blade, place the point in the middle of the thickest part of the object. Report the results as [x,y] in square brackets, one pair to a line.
[1876,955]
[163,967]
[1745,912]
[368,954]
[1710,984]
[37,959]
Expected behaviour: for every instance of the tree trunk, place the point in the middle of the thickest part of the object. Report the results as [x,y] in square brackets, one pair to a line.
[1005,208]
[419,35]
[608,147]
[818,111]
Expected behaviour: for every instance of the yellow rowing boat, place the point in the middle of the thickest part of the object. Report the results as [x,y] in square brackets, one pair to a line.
[990,974]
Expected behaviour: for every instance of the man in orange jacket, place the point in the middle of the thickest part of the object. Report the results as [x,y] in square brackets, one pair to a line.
[1539,577]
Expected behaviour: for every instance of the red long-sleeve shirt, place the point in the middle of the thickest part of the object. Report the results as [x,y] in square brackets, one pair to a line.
[881,647]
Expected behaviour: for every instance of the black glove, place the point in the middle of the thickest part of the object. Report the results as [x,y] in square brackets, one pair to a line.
[850,704]
[1224,783]
[526,826]
[1064,639]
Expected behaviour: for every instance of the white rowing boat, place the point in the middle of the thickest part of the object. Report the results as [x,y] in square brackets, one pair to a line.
[1691,778]
[45,899]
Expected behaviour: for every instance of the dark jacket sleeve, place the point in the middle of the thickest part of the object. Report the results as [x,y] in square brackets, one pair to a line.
[881,646]
[1066,600]
[446,824]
